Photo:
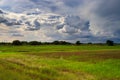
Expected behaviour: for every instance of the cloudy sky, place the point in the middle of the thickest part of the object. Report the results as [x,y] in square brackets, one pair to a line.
[70,20]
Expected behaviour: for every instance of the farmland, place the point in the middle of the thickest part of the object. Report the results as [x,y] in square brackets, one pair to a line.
[60,62]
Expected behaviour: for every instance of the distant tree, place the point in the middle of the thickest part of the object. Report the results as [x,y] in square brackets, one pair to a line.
[16,42]
[61,43]
[34,43]
[110,43]
[46,43]
[56,42]
[78,43]
[65,43]
[24,42]
[90,43]
[2,43]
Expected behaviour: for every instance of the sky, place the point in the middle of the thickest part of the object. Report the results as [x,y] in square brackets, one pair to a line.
[69,20]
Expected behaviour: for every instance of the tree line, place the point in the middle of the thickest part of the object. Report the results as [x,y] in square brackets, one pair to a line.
[18,42]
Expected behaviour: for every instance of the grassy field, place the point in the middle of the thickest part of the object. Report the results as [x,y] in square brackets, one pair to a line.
[60,62]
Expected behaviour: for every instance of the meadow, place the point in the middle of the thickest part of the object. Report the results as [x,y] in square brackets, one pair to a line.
[60,62]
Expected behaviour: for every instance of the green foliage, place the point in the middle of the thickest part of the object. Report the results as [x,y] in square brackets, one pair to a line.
[60,43]
[24,42]
[59,62]
[16,42]
[57,48]
[34,43]
[109,43]
[78,43]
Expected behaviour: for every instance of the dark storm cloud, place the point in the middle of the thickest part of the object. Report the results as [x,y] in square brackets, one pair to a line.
[103,16]
[111,11]
[41,2]
[54,8]
[72,3]
[108,8]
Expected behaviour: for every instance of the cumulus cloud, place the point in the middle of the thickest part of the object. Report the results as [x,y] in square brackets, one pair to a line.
[86,20]
[73,25]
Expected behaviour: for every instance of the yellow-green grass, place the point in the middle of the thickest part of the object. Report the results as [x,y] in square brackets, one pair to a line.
[57,48]
[59,62]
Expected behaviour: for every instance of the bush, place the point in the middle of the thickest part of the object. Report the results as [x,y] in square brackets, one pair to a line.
[109,43]
[78,43]
[34,43]
[16,42]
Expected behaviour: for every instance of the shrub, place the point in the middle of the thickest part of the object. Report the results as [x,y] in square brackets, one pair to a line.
[78,43]
[16,42]
[110,43]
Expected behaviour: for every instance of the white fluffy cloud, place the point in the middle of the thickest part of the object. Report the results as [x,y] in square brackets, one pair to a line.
[53,26]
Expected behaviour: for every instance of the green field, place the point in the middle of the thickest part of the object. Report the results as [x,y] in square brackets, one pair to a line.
[60,62]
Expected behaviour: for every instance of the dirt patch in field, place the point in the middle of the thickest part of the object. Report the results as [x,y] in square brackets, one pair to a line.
[56,54]
[80,56]
[107,54]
